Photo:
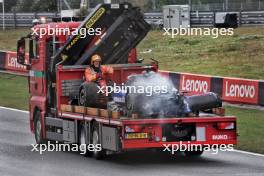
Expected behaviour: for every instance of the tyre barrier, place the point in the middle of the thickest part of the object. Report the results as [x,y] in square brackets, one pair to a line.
[233,90]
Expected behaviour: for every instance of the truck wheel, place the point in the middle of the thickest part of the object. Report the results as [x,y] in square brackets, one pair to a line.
[83,144]
[96,141]
[88,95]
[193,153]
[38,128]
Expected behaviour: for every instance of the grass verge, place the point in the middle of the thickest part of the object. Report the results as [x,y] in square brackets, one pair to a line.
[240,55]
[250,128]
[13,91]
[9,38]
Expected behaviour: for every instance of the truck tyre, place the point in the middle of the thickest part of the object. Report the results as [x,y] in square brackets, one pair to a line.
[197,153]
[96,141]
[88,95]
[38,128]
[83,144]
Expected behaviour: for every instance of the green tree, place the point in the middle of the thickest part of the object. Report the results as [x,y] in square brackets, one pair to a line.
[36,5]
[24,5]
[9,5]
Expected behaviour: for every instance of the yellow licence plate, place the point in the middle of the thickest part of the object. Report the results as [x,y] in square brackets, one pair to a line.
[137,136]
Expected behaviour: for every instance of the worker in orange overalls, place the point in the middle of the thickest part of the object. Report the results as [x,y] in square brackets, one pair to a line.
[98,73]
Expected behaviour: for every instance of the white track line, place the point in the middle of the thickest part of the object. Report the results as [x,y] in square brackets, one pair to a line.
[12,109]
[238,151]
[248,153]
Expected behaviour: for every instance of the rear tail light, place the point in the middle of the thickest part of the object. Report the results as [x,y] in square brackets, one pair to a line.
[226,125]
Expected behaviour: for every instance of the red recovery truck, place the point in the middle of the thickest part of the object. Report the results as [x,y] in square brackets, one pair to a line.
[56,67]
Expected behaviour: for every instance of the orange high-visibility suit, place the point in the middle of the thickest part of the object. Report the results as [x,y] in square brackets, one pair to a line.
[105,72]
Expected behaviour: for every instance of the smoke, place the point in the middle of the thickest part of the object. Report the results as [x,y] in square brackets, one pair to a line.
[165,102]
[160,98]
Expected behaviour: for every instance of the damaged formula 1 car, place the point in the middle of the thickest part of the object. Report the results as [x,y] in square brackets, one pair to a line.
[151,95]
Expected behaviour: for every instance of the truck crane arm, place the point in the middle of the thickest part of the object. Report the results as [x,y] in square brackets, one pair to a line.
[123,28]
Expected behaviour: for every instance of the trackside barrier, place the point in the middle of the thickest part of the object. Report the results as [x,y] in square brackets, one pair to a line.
[8,63]
[240,90]
[261,93]
[234,90]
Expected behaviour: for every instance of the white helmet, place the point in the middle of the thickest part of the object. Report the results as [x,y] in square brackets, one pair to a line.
[35,22]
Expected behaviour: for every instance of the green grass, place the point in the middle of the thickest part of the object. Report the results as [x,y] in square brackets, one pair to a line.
[13,91]
[9,37]
[250,128]
[240,55]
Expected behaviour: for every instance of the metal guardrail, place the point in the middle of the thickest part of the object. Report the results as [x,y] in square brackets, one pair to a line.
[198,18]
[24,19]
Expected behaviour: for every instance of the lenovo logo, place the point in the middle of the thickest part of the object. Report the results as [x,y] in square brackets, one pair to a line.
[240,91]
[12,62]
[194,85]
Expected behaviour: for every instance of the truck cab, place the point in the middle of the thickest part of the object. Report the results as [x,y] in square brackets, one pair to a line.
[64,44]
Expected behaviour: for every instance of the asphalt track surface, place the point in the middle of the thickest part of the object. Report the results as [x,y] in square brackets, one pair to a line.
[17,159]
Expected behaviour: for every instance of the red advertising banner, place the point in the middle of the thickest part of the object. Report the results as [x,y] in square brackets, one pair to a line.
[195,84]
[240,90]
[11,63]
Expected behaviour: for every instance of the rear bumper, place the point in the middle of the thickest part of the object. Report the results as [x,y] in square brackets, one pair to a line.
[138,145]
[205,133]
